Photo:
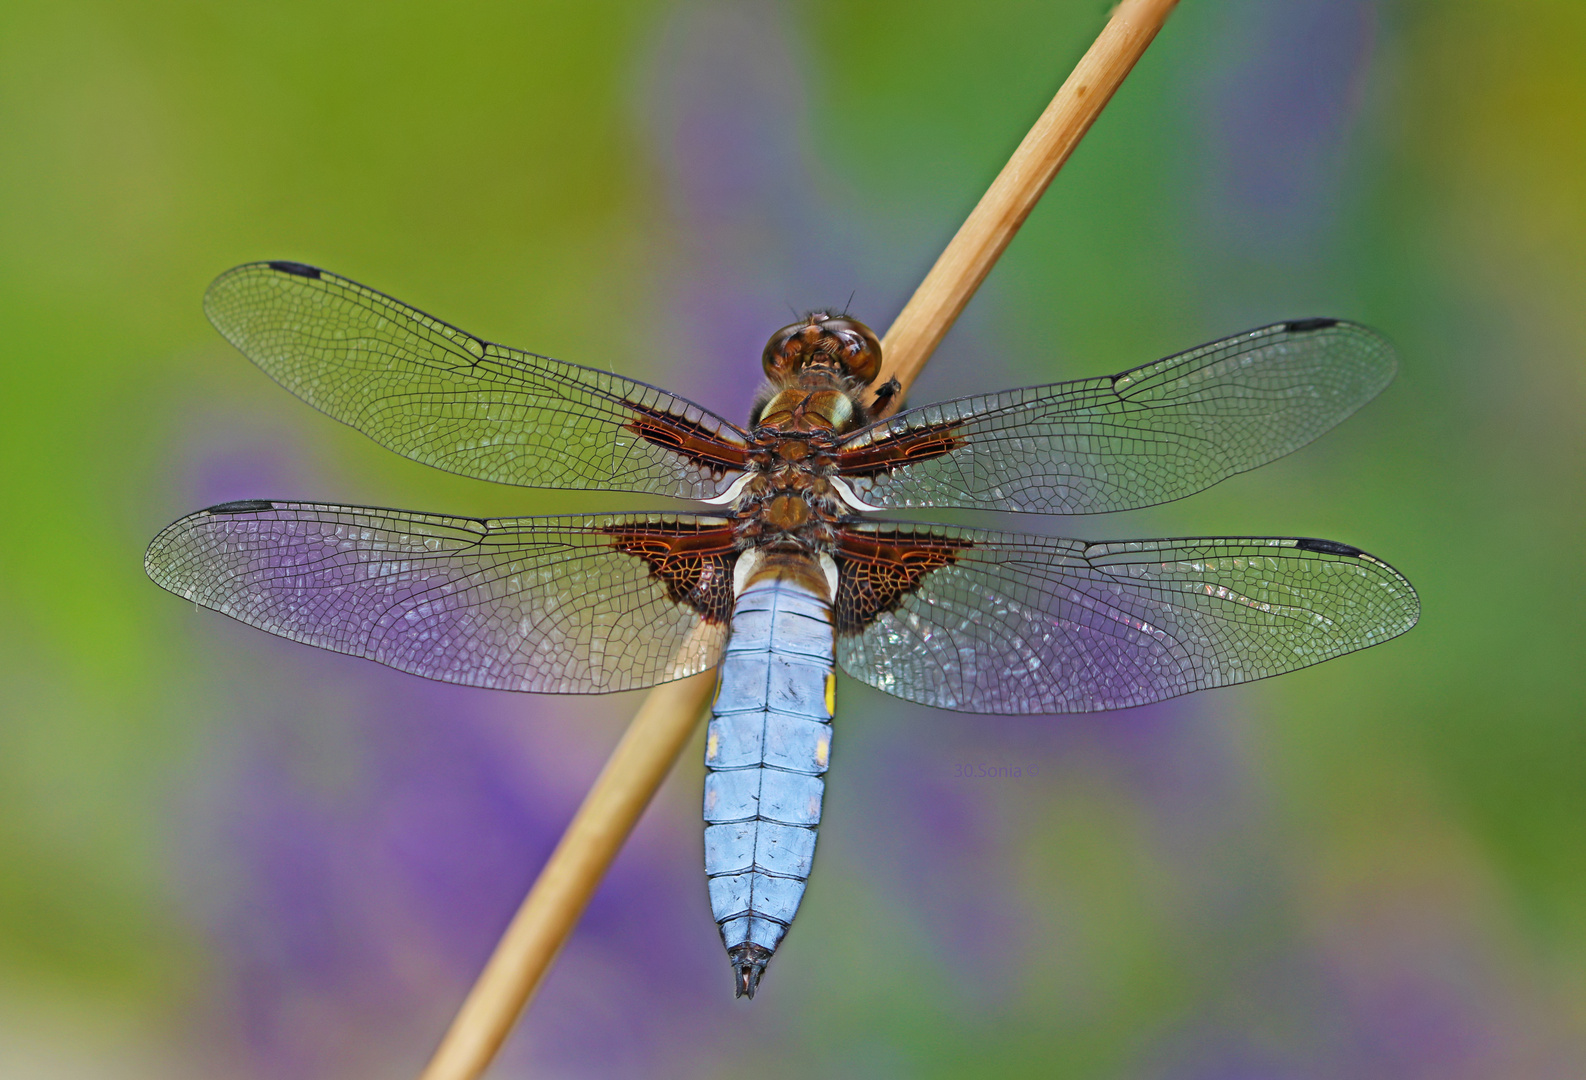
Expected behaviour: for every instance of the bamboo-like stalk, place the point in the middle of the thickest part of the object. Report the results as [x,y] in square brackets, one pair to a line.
[980,241]
[670,713]
[536,933]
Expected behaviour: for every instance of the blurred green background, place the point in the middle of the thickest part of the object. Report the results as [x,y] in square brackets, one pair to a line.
[225,855]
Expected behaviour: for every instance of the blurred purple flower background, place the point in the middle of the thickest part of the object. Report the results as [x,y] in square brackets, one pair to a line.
[262,861]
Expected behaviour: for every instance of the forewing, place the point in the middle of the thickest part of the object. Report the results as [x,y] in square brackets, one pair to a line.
[1145,436]
[436,394]
[999,623]
[572,604]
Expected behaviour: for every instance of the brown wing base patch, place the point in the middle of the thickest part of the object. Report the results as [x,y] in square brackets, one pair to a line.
[697,443]
[876,570]
[694,561]
[891,452]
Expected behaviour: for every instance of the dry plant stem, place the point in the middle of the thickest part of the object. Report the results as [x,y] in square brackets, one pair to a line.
[941,297]
[536,934]
[668,716]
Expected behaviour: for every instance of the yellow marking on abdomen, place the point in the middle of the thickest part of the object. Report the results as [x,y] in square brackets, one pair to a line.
[831,695]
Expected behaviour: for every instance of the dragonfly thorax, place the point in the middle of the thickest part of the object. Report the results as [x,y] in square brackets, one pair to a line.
[789,510]
[805,409]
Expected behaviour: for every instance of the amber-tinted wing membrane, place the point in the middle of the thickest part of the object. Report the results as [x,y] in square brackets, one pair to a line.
[1145,436]
[549,604]
[436,394]
[1000,623]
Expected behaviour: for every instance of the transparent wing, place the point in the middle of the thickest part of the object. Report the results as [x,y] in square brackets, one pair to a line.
[1146,436]
[999,623]
[438,395]
[547,604]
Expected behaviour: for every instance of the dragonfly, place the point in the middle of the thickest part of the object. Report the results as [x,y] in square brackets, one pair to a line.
[783,576]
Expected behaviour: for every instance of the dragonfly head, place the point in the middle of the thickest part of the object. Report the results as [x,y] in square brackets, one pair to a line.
[821,339]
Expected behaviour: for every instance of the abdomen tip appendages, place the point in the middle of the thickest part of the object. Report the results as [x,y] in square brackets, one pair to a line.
[768,745]
[748,964]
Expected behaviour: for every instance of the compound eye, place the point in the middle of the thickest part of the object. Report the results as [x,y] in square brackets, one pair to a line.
[784,353]
[860,352]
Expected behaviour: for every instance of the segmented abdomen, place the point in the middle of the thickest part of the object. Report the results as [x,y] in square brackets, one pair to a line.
[768,745]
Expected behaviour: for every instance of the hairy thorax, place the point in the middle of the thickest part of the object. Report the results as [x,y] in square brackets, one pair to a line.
[791,499]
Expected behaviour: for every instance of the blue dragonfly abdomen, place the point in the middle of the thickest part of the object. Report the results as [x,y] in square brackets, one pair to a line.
[767,748]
